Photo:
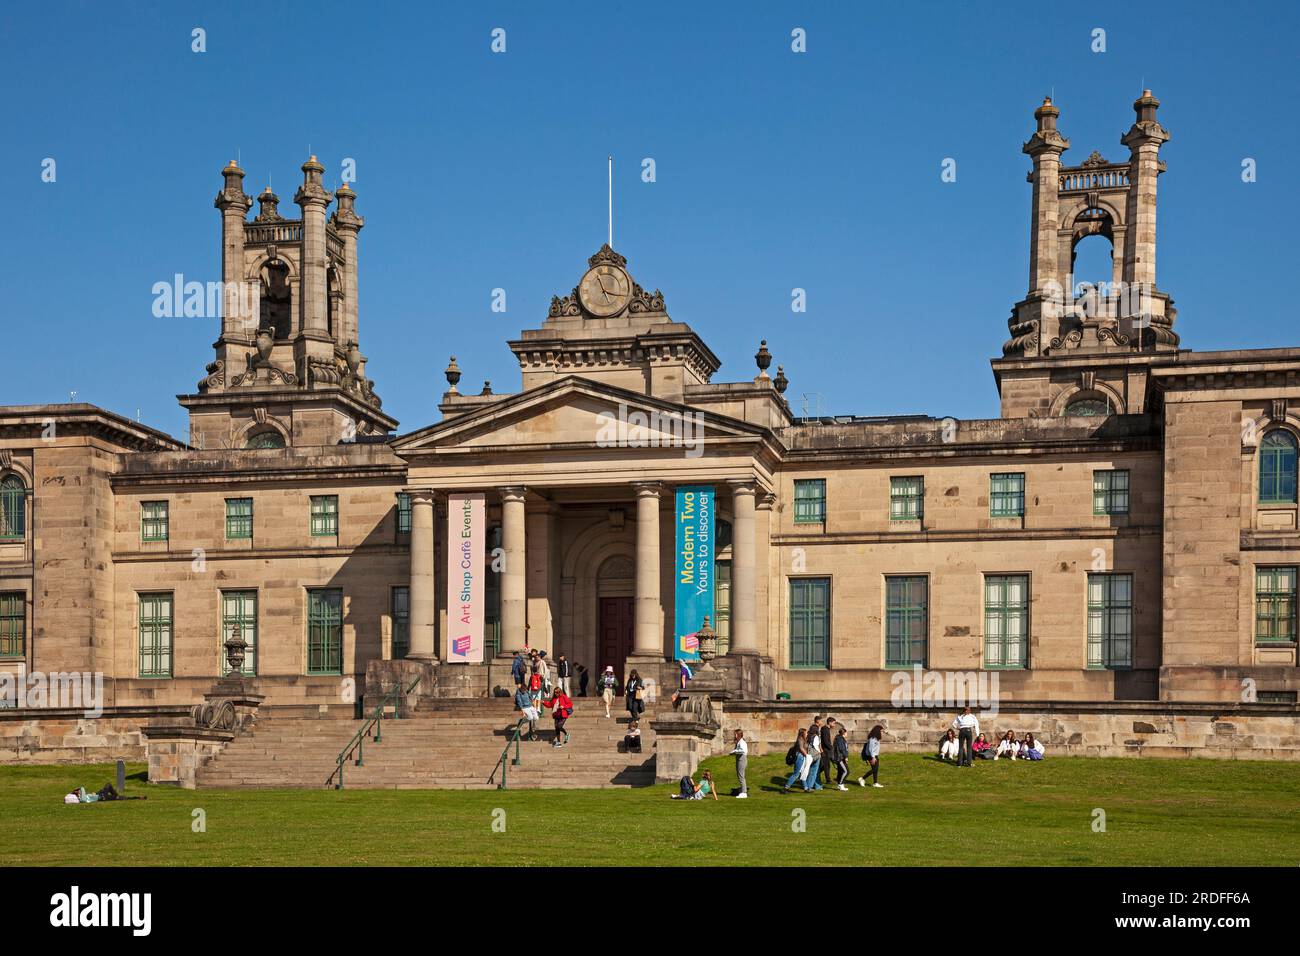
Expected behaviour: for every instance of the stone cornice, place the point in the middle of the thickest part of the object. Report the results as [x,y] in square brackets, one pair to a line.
[79,418]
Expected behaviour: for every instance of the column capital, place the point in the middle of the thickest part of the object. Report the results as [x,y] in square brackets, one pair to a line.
[421,495]
[513,493]
[743,486]
[765,501]
[648,489]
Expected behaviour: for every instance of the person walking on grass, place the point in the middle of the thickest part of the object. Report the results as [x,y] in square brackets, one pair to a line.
[967,726]
[741,752]
[840,752]
[607,684]
[871,754]
[800,754]
[815,755]
[561,709]
[828,747]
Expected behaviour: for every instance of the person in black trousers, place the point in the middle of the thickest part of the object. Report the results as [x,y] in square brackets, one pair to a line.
[828,747]
[583,678]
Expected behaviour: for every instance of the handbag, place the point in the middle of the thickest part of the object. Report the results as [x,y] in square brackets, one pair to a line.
[536,682]
[640,693]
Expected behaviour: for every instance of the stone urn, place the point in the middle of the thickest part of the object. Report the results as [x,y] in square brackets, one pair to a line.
[236,648]
[353,358]
[265,342]
[708,639]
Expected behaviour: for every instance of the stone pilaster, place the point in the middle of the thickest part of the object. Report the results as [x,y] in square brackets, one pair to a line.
[647,638]
[423,601]
[234,204]
[744,582]
[514,597]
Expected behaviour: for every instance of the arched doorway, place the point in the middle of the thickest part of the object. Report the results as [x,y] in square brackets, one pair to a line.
[616,615]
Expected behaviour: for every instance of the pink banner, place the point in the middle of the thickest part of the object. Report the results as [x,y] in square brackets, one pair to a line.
[466,548]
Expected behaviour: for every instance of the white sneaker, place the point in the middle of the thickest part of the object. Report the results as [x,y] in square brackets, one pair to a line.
[742,796]
[862,781]
[841,787]
[879,786]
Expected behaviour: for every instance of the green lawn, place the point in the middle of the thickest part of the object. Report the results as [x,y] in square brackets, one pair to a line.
[1158,812]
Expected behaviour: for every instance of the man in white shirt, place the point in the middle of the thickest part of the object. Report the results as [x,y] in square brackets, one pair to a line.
[968,728]
[741,753]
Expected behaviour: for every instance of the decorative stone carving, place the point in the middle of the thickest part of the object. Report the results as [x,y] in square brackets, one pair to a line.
[607,256]
[643,301]
[1070,340]
[566,306]
[1024,337]
[1095,159]
[1277,410]
[216,376]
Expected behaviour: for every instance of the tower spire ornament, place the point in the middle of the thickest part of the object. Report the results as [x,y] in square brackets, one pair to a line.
[611,201]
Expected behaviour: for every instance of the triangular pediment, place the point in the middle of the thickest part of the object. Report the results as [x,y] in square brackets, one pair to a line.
[575,412]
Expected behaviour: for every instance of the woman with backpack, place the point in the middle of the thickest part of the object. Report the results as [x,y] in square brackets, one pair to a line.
[561,705]
[871,754]
[607,684]
[635,691]
[797,757]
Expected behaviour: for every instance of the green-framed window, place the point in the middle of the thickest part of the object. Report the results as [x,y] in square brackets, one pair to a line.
[810,501]
[722,604]
[153,521]
[1110,621]
[492,591]
[324,631]
[324,515]
[13,625]
[1275,605]
[810,622]
[907,620]
[239,609]
[156,634]
[1110,492]
[1007,495]
[401,608]
[13,508]
[1006,621]
[403,513]
[1277,468]
[906,498]
[239,518]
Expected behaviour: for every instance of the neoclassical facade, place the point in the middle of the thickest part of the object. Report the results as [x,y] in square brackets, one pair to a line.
[1126,530]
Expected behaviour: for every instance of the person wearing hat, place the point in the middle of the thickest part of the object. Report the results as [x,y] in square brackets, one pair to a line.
[607,684]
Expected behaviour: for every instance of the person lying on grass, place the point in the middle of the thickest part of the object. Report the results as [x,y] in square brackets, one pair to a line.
[690,790]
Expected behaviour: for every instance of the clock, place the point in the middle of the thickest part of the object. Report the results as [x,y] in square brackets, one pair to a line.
[605,290]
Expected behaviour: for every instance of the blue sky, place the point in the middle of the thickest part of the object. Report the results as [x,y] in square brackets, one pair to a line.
[775,170]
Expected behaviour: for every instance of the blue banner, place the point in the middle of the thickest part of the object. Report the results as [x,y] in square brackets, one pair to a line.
[694,568]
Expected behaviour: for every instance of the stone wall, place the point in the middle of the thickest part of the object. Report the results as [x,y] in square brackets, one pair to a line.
[64,735]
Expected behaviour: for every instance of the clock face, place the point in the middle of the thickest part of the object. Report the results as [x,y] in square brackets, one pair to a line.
[605,290]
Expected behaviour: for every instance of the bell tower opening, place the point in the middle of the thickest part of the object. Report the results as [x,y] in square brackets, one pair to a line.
[277,311]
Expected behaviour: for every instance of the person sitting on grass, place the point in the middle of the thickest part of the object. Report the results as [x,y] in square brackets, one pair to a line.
[690,790]
[948,746]
[1008,746]
[1031,748]
[982,748]
[632,739]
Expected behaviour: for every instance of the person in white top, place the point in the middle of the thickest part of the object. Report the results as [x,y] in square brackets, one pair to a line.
[948,748]
[967,726]
[741,752]
[1008,746]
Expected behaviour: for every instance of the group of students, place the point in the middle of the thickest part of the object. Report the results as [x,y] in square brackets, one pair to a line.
[825,744]
[534,690]
[964,743]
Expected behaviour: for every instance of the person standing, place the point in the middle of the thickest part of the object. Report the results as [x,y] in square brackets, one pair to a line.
[634,691]
[800,752]
[741,752]
[828,747]
[607,684]
[840,751]
[563,671]
[517,669]
[584,677]
[967,726]
[871,754]
[814,755]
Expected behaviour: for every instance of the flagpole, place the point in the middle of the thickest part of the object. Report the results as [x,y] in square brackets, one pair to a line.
[611,202]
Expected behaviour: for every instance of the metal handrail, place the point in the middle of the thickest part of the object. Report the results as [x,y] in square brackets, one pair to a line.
[501,762]
[376,720]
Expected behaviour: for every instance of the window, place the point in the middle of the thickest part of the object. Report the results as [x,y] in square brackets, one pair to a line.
[906,498]
[492,592]
[1006,620]
[722,605]
[401,622]
[1007,496]
[1275,610]
[239,518]
[325,515]
[810,501]
[1088,407]
[906,620]
[1110,620]
[156,635]
[239,609]
[13,625]
[153,521]
[1277,468]
[265,439]
[325,631]
[13,508]
[403,513]
[1110,492]
[810,622]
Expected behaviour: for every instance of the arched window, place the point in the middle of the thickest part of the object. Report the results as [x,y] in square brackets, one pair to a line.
[1277,468]
[13,509]
[1093,407]
[265,439]
[277,300]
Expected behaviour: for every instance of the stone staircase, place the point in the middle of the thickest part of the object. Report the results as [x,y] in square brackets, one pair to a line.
[444,745]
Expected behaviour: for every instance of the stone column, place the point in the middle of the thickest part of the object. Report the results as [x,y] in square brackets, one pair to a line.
[744,633]
[514,599]
[1045,146]
[647,640]
[234,204]
[348,224]
[1144,140]
[422,606]
[313,348]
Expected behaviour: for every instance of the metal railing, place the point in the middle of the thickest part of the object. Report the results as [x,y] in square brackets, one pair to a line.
[375,722]
[501,761]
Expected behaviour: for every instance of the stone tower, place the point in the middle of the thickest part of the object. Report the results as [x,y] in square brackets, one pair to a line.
[288,367]
[1083,349]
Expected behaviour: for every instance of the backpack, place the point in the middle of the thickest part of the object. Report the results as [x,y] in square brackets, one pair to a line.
[866,749]
[789,755]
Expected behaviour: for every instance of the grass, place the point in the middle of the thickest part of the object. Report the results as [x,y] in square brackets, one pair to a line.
[1157,812]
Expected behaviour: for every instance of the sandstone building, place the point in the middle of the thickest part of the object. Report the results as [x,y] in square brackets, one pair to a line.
[1126,530]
